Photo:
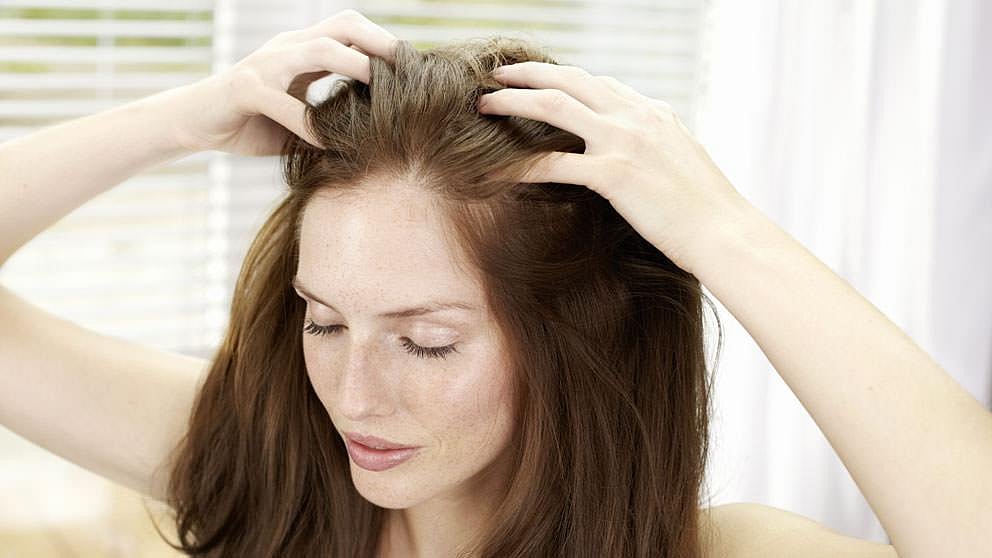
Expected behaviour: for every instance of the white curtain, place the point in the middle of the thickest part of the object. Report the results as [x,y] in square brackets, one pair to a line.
[862,127]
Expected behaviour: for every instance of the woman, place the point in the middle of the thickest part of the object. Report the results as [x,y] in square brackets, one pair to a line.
[506,292]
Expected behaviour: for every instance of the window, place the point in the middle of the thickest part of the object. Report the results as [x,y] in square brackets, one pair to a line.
[137,262]
[155,258]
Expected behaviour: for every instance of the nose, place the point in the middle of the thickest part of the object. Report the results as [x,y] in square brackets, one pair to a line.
[362,388]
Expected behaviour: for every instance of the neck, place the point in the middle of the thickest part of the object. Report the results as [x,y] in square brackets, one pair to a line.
[412,535]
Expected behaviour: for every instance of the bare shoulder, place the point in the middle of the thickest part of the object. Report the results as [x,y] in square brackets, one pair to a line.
[745,530]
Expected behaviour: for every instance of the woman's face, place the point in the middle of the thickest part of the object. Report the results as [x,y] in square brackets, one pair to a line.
[380,250]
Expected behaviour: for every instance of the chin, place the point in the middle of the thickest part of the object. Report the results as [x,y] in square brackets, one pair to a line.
[391,491]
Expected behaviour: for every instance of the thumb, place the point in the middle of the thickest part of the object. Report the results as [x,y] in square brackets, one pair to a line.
[288,111]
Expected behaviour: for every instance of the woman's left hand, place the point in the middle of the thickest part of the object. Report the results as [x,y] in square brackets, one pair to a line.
[639,156]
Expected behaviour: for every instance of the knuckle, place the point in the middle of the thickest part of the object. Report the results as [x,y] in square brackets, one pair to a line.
[609,169]
[284,39]
[618,165]
[553,100]
[628,144]
[645,112]
[628,135]
[292,34]
[663,106]
[681,124]
[351,15]
[640,112]
[616,85]
[607,80]
[576,72]
[278,38]
[320,46]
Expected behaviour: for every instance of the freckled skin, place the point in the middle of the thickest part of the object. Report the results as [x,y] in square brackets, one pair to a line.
[378,249]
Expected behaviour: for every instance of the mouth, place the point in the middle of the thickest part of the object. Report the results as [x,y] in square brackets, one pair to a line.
[375,460]
[376,443]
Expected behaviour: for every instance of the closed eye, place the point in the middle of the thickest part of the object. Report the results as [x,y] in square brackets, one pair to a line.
[411,347]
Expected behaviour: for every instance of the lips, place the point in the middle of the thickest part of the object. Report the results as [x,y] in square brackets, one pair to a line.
[375,443]
[377,459]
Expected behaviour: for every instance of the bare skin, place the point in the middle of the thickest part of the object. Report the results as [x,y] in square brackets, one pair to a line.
[372,380]
[116,408]
[60,384]
[917,444]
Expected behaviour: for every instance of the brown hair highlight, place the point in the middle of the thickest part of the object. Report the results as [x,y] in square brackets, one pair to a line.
[605,333]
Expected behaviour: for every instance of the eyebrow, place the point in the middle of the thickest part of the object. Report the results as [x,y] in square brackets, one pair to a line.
[428,307]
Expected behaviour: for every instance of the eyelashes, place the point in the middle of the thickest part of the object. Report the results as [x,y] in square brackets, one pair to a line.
[410,346]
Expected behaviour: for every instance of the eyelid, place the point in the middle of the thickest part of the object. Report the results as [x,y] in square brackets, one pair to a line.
[419,351]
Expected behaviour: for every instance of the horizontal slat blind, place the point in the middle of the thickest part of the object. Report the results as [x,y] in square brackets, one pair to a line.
[136,261]
[104,28]
[652,45]
[142,261]
[155,258]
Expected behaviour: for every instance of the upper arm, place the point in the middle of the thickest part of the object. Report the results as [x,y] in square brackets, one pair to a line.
[746,530]
[114,407]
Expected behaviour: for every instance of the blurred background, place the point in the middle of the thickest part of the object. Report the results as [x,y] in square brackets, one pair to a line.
[861,127]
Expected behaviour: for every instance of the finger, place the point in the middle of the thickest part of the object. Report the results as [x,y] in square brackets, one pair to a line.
[352,28]
[566,168]
[682,124]
[621,88]
[325,54]
[547,105]
[285,109]
[575,81]
[665,106]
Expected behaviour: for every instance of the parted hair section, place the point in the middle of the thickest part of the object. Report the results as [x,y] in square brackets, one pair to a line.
[605,335]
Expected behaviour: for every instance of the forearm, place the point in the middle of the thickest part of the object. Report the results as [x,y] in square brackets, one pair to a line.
[916,443]
[47,174]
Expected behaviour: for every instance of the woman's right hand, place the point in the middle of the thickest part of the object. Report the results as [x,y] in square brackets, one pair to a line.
[251,107]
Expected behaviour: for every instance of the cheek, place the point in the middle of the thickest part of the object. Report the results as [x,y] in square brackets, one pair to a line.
[468,410]
[317,368]
[465,408]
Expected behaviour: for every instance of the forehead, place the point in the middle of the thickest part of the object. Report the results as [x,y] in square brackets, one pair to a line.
[379,246]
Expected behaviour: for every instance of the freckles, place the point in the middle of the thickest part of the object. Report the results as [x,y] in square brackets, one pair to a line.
[466,411]
[466,392]
[318,370]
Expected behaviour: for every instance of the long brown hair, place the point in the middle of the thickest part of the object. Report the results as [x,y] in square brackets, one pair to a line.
[605,334]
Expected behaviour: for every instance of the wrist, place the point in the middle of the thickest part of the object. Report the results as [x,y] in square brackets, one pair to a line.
[172,109]
[727,232]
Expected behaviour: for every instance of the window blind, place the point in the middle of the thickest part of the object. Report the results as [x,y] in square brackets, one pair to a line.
[134,262]
[655,46]
[651,45]
[138,261]
[155,258]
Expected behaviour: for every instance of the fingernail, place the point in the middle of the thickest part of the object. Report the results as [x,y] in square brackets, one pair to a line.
[499,72]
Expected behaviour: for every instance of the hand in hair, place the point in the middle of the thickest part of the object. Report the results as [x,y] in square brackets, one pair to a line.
[253,106]
[638,154]
[917,444]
